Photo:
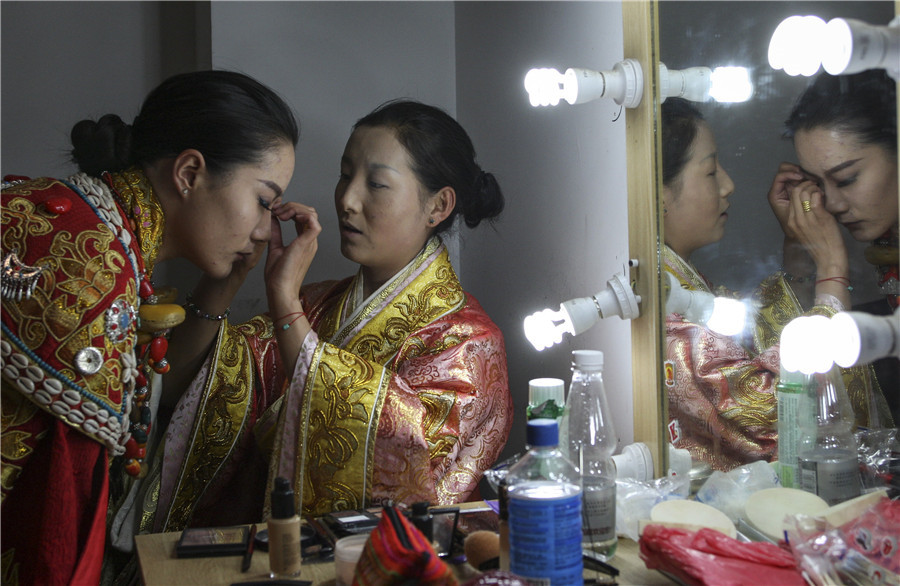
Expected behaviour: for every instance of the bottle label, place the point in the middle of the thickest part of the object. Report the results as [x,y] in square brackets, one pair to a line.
[834,479]
[796,415]
[545,537]
[599,513]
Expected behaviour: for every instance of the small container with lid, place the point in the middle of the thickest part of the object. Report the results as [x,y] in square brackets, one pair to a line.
[546,398]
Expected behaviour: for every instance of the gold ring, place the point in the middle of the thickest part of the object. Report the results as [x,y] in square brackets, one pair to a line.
[807,205]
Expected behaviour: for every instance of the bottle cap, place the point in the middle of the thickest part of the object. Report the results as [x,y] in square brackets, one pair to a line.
[541,390]
[542,433]
[587,358]
[635,461]
[282,499]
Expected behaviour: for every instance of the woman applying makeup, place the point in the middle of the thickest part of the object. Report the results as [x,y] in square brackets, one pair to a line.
[394,379]
[844,130]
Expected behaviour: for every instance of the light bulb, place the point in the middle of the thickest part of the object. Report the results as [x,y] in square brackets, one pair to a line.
[545,86]
[800,44]
[861,338]
[729,316]
[546,328]
[851,46]
[795,45]
[720,314]
[575,316]
[806,344]
[624,84]
[730,84]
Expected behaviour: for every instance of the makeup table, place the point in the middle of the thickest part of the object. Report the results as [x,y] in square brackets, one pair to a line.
[159,566]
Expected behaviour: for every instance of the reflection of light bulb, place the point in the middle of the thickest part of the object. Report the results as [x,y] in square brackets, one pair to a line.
[728,316]
[698,84]
[575,316]
[852,46]
[805,345]
[795,45]
[720,314]
[861,338]
[730,84]
[842,46]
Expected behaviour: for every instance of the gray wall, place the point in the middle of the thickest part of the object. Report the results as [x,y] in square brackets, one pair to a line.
[66,61]
[564,232]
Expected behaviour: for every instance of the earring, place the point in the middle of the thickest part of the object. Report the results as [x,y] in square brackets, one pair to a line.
[431,220]
[185,191]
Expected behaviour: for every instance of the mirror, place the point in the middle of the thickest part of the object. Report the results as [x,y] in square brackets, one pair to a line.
[749,135]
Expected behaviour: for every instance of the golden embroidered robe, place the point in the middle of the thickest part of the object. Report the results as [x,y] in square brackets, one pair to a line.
[721,390]
[407,398]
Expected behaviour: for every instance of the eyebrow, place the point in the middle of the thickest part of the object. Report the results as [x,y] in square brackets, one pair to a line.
[383,166]
[372,166]
[273,186]
[837,168]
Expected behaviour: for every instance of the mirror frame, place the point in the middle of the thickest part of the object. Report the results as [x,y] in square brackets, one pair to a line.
[640,20]
[643,151]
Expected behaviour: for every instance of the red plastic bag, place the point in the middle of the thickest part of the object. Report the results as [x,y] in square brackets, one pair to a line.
[713,558]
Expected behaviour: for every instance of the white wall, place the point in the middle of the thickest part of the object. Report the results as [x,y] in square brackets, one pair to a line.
[563,233]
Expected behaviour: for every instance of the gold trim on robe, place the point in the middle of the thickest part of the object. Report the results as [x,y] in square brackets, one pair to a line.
[218,425]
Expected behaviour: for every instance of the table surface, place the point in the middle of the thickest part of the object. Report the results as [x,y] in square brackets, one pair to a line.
[159,566]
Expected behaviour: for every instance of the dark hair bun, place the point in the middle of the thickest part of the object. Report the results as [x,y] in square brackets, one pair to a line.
[104,145]
[487,203]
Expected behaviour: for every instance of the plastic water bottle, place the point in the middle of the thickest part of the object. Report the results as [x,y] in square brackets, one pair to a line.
[544,491]
[588,435]
[796,419]
[829,460]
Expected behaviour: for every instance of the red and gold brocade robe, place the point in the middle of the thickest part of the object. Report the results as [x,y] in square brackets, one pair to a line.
[405,398]
[68,371]
[721,389]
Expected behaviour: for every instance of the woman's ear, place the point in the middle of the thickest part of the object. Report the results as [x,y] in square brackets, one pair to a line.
[187,168]
[442,204]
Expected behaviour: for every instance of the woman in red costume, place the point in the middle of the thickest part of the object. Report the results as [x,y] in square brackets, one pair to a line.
[194,176]
[394,379]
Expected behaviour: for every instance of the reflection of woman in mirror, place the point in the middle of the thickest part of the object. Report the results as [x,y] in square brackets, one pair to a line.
[721,398]
[844,130]
[389,384]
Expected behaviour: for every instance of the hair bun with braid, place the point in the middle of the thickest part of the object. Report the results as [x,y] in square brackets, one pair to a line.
[104,145]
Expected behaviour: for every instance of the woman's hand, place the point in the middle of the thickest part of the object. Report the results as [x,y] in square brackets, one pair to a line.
[286,265]
[788,176]
[809,223]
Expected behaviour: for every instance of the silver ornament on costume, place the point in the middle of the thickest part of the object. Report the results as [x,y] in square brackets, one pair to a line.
[88,361]
[18,279]
[120,317]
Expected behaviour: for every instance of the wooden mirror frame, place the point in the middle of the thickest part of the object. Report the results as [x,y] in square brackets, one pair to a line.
[641,40]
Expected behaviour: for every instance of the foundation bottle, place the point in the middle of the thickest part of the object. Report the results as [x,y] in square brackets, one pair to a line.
[284,532]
